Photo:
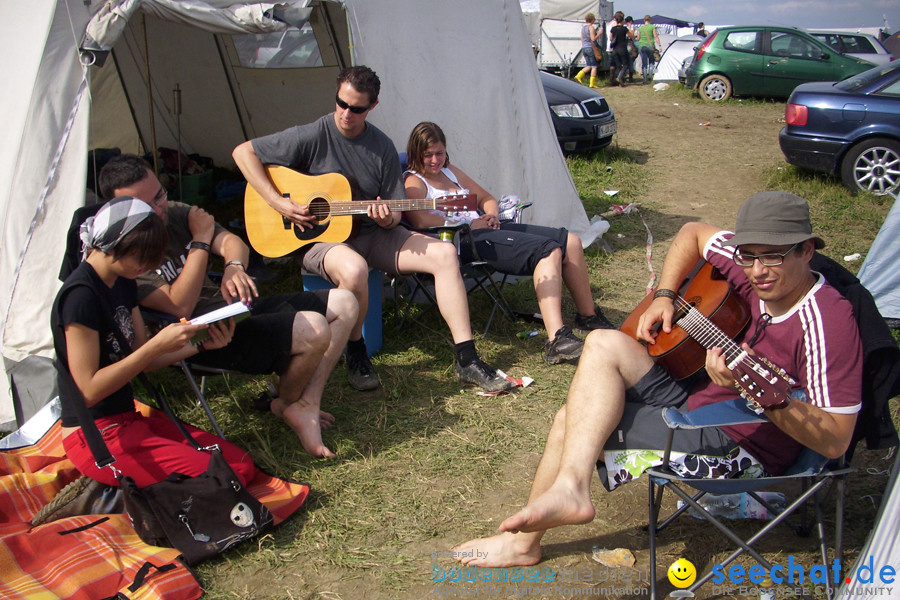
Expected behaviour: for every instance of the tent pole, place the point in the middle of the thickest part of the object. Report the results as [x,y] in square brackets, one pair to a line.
[176,102]
[150,96]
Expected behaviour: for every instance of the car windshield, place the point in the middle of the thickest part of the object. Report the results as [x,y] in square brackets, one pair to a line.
[851,84]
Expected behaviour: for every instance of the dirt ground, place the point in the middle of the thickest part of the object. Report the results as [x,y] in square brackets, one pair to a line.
[706,158]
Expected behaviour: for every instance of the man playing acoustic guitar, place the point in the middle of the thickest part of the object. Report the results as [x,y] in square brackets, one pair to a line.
[612,421]
[343,142]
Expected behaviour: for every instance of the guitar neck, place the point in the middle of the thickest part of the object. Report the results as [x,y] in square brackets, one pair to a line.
[358,207]
[704,331]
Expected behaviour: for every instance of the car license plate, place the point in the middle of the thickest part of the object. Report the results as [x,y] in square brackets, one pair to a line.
[606,130]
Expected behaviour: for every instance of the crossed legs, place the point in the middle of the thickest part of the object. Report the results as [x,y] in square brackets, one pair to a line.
[318,342]
[560,494]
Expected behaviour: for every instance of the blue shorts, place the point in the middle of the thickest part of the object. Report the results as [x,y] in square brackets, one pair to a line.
[589,58]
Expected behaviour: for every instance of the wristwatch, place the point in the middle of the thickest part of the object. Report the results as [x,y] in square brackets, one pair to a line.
[236,263]
[198,245]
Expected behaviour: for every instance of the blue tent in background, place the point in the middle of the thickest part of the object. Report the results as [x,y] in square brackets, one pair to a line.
[661,20]
[880,272]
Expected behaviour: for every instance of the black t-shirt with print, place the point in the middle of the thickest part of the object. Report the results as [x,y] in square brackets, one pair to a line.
[80,304]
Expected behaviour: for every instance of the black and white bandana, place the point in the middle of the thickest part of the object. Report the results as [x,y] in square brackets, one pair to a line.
[112,222]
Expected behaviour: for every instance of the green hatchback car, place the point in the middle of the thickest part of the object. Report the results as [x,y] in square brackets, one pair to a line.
[764,61]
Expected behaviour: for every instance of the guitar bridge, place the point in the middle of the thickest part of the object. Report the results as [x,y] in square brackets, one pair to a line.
[284,220]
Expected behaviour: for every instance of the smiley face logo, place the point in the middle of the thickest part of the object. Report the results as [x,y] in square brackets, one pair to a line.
[682,573]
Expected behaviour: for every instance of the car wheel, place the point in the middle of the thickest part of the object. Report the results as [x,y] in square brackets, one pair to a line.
[715,88]
[873,166]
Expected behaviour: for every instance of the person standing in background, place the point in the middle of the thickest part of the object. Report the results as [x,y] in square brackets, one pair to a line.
[647,43]
[619,36]
[589,35]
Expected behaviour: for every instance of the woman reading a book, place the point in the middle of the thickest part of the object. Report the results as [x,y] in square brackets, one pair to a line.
[123,240]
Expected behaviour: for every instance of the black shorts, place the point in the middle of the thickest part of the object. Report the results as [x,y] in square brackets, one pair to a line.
[262,342]
[515,248]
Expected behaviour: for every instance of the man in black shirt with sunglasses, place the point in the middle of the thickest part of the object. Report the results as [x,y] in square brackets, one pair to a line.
[343,142]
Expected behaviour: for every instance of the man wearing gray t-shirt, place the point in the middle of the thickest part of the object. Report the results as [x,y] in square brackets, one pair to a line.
[343,142]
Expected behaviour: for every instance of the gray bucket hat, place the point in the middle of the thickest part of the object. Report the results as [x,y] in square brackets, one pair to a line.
[774,218]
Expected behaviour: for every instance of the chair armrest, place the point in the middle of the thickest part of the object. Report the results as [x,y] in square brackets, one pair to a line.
[728,412]
[457,229]
[518,209]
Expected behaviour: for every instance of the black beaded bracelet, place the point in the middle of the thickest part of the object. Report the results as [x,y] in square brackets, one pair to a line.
[664,293]
[195,245]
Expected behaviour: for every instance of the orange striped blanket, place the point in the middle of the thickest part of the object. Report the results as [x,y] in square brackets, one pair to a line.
[95,556]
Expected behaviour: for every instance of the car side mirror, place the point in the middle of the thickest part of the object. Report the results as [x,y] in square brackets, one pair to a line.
[826,56]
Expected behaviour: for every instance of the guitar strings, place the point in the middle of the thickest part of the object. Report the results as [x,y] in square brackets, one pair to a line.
[321,208]
[706,332]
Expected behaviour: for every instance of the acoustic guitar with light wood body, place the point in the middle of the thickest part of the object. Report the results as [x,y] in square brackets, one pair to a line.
[329,198]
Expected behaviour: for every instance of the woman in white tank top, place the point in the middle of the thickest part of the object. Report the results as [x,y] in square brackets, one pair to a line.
[551,256]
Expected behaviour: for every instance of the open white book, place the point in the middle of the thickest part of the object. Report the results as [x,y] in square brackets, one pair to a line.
[238,310]
[229,310]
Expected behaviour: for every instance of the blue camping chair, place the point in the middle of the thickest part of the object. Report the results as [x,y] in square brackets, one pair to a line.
[815,474]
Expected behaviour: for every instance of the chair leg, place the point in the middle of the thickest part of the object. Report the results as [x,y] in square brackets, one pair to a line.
[201,397]
[820,531]
[655,501]
[841,487]
[484,280]
[402,314]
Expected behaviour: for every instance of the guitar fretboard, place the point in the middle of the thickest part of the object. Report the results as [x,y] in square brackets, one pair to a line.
[707,333]
[359,207]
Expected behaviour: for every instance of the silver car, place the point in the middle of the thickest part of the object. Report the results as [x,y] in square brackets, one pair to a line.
[859,45]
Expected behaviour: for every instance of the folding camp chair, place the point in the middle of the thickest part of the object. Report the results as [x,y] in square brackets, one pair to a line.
[72,258]
[477,275]
[881,382]
[815,474]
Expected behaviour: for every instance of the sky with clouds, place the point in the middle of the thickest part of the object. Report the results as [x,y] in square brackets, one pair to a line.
[809,14]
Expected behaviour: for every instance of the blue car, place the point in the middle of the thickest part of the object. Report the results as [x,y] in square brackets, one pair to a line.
[851,128]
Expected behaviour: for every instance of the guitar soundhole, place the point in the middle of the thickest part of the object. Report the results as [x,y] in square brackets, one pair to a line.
[320,208]
[683,310]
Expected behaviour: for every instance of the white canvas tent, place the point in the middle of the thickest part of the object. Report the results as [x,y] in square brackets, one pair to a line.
[670,61]
[54,105]
[555,28]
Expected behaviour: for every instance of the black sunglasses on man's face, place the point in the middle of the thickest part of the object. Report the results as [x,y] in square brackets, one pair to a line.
[356,110]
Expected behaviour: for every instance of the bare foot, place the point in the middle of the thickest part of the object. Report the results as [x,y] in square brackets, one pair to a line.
[502,550]
[326,419]
[305,421]
[559,505]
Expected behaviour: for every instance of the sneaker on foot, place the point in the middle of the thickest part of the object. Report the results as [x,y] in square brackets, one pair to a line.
[482,375]
[565,346]
[360,372]
[596,321]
